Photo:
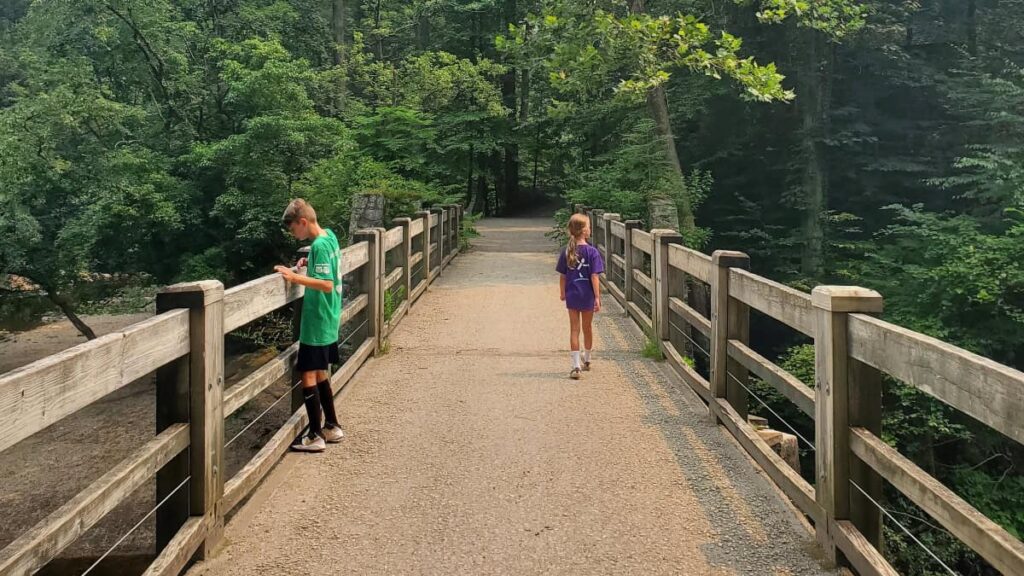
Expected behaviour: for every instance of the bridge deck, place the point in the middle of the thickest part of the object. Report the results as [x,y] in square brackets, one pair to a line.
[469,451]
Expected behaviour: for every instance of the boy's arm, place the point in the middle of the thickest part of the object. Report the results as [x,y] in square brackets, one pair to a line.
[312,283]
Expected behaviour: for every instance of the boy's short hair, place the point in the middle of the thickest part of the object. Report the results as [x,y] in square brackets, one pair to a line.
[297,209]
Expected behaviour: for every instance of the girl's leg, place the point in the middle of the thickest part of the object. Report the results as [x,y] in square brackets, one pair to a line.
[588,334]
[574,337]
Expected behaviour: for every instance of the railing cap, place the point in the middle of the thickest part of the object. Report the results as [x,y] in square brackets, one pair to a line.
[190,294]
[846,299]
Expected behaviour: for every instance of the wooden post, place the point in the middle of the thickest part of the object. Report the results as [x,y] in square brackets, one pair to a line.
[297,400]
[438,239]
[425,242]
[205,410]
[371,283]
[630,256]
[847,393]
[405,254]
[456,228]
[662,279]
[609,246]
[730,320]
[597,216]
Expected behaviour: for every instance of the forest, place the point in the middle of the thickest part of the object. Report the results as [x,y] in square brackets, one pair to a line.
[870,142]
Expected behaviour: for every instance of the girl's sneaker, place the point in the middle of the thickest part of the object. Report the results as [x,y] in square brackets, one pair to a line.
[333,434]
[575,374]
[586,366]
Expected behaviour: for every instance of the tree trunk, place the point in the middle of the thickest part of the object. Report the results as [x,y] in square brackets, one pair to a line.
[812,104]
[423,30]
[338,30]
[367,212]
[662,207]
[69,310]
[469,184]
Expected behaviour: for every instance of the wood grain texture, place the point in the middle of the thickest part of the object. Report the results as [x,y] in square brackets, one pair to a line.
[254,299]
[788,480]
[790,386]
[690,315]
[1000,548]
[353,307]
[179,550]
[787,305]
[983,389]
[416,227]
[617,229]
[41,393]
[354,257]
[865,558]
[643,241]
[251,386]
[643,280]
[43,542]
[643,320]
[393,238]
[692,378]
[694,263]
[393,277]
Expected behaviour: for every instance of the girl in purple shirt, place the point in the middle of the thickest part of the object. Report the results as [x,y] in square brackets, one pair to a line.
[580,265]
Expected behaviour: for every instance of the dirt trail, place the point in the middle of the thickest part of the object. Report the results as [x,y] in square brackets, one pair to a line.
[469,451]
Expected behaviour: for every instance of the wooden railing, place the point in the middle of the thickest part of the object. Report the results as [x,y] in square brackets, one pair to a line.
[184,344]
[657,280]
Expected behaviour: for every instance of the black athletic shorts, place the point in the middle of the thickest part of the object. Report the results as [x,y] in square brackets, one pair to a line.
[316,357]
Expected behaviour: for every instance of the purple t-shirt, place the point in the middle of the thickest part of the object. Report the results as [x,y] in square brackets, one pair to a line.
[579,292]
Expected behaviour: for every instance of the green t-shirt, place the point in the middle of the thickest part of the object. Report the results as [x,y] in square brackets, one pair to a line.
[321,311]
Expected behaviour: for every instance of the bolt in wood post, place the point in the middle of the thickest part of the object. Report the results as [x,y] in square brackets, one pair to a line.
[405,254]
[203,397]
[609,245]
[425,243]
[631,257]
[847,393]
[660,275]
[371,283]
[730,320]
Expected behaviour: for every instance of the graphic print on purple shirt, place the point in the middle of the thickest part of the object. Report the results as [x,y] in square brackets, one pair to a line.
[579,292]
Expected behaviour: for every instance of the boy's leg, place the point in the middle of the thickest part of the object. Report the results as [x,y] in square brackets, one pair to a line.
[574,337]
[311,397]
[588,334]
[323,385]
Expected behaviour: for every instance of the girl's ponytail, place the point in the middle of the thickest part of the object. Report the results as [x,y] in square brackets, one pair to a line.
[576,225]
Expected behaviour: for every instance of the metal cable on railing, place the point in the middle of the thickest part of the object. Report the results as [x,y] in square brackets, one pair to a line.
[888,515]
[134,528]
[774,413]
[262,414]
[692,341]
[637,291]
[353,333]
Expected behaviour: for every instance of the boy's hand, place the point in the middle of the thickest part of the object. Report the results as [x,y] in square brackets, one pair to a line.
[302,262]
[285,271]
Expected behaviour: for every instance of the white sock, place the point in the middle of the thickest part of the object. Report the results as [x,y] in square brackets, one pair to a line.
[586,356]
[575,358]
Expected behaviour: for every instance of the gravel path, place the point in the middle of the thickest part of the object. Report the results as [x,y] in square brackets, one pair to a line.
[469,451]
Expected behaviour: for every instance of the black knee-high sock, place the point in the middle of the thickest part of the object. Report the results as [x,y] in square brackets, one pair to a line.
[327,400]
[311,396]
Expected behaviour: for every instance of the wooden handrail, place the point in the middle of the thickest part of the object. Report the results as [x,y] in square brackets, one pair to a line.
[853,349]
[184,344]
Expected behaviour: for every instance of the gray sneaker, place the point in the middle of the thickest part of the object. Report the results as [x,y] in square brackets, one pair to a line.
[333,434]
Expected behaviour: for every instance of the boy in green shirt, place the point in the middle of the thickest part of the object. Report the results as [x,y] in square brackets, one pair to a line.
[321,317]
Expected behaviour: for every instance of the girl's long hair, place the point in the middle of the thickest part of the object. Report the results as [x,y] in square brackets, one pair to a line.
[576,225]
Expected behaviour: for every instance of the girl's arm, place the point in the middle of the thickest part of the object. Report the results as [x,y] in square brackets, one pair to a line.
[595,282]
[561,285]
